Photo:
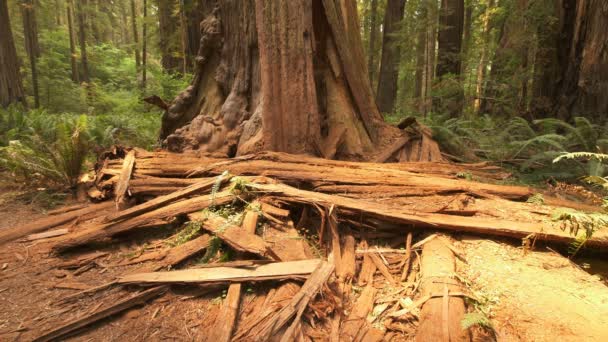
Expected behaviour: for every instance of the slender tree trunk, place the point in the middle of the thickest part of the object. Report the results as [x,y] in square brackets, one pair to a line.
[73,61]
[546,63]
[31,43]
[183,36]
[83,42]
[167,24]
[58,20]
[126,39]
[11,86]
[431,54]
[135,36]
[451,20]
[483,59]
[389,65]
[144,42]
[373,29]
[421,46]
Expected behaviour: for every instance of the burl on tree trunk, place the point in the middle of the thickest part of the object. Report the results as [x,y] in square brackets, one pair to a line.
[285,76]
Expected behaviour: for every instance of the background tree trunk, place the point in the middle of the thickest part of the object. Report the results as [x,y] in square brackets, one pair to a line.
[253,89]
[135,35]
[73,61]
[389,65]
[483,58]
[373,29]
[167,27]
[583,85]
[30,32]
[451,20]
[144,49]
[431,55]
[83,41]
[11,87]
[421,43]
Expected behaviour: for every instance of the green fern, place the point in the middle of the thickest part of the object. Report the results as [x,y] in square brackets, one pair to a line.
[476,319]
[576,221]
[216,187]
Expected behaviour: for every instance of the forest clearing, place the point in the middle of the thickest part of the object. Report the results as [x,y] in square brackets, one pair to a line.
[269,170]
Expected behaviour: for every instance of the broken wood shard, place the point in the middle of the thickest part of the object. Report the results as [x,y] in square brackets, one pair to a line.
[225,321]
[123,180]
[277,270]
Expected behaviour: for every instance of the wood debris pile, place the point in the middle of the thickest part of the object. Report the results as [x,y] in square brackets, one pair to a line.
[346,251]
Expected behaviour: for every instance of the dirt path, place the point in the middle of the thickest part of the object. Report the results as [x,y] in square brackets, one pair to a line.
[540,296]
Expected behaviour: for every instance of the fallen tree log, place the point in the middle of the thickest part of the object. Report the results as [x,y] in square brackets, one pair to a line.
[277,270]
[387,213]
[357,179]
[96,231]
[440,315]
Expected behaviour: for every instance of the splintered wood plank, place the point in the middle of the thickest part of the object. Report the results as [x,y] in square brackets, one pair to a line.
[46,235]
[368,268]
[382,268]
[250,220]
[440,315]
[348,257]
[225,321]
[269,325]
[157,202]
[395,146]
[123,180]
[113,308]
[96,231]
[89,212]
[358,315]
[277,270]
[408,254]
[233,235]
[172,256]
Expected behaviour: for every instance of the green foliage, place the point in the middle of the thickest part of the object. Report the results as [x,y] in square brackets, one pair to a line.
[576,221]
[537,198]
[478,319]
[189,232]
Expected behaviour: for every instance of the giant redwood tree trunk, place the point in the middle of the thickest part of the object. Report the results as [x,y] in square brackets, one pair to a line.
[278,75]
[451,21]
[11,87]
[583,60]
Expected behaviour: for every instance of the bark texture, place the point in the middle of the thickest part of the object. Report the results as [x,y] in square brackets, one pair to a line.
[30,31]
[389,66]
[168,45]
[73,62]
[11,87]
[451,21]
[581,90]
[373,30]
[275,75]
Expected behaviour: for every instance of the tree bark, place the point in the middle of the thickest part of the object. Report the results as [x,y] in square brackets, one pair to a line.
[275,75]
[451,20]
[509,66]
[135,35]
[73,61]
[83,42]
[583,84]
[373,30]
[30,32]
[389,65]
[144,49]
[431,55]
[126,39]
[167,25]
[421,43]
[11,87]
[483,59]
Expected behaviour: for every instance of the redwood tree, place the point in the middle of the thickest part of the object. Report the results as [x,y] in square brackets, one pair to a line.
[280,75]
[451,21]
[30,31]
[389,65]
[168,30]
[582,87]
[11,87]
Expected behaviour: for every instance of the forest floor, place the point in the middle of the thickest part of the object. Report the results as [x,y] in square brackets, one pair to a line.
[534,296]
